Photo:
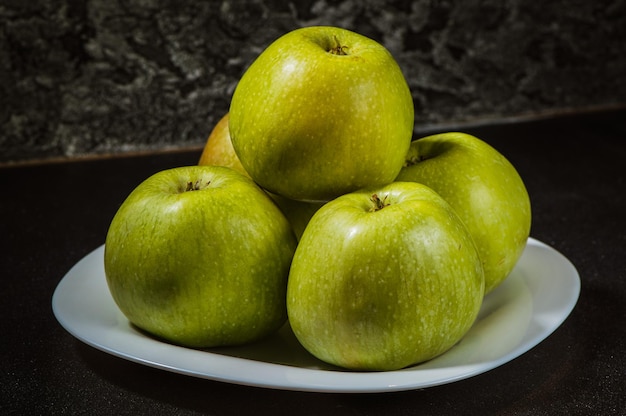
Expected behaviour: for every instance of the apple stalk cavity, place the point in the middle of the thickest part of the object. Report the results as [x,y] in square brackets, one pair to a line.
[197,185]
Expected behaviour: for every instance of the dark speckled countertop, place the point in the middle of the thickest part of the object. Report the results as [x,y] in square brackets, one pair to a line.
[53,214]
[98,77]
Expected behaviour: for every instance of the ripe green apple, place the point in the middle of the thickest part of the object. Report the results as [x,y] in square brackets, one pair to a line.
[484,189]
[199,256]
[321,112]
[298,213]
[383,279]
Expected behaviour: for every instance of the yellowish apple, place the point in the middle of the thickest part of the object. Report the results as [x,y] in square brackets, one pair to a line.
[218,150]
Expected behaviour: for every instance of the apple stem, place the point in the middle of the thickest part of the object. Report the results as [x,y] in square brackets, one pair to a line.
[191,186]
[413,160]
[378,203]
[339,49]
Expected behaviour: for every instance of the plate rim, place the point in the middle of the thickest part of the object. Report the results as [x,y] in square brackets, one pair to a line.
[303,378]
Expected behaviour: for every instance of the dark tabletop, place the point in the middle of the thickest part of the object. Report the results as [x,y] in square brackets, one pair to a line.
[52,215]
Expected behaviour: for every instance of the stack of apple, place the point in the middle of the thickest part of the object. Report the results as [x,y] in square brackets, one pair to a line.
[311,203]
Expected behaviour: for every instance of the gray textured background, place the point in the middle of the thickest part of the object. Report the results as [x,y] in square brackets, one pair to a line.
[106,76]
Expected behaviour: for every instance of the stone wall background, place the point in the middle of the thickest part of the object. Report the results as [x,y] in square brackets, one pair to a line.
[107,76]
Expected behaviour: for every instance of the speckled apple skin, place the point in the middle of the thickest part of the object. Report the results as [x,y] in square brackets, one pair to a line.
[385,289]
[311,125]
[484,189]
[200,268]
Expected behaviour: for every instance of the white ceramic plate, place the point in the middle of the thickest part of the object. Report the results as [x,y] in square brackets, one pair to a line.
[534,300]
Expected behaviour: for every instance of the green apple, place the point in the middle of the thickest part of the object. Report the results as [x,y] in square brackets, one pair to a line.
[321,112]
[298,213]
[199,256]
[484,189]
[383,279]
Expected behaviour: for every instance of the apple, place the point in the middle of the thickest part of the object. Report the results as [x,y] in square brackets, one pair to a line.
[484,189]
[199,256]
[218,149]
[298,213]
[384,278]
[322,111]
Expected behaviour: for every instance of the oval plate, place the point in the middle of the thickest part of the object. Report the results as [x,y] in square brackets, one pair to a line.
[526,308]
